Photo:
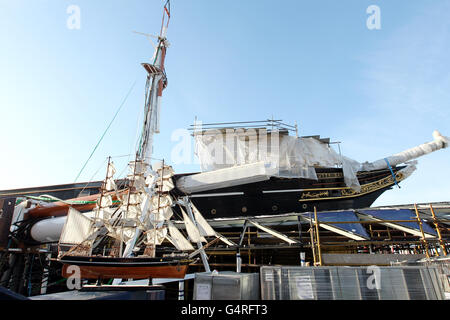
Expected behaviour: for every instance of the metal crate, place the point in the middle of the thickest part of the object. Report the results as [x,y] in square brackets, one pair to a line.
[226,286]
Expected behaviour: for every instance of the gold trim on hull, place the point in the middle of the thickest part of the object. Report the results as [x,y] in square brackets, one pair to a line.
[346,192]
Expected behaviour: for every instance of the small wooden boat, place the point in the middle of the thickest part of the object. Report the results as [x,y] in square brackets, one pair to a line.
[103,243]
[127,268]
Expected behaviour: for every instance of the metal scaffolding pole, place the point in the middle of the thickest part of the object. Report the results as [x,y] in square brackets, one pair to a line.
[419,221]
[441,242]
[319,253]
[187,204]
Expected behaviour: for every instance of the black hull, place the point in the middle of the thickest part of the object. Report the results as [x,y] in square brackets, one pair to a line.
[278,196]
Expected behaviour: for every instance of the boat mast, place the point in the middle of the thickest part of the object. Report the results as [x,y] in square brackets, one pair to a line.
[156,83]
[102,192]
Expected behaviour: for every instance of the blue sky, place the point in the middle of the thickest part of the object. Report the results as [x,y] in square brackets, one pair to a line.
[311,62]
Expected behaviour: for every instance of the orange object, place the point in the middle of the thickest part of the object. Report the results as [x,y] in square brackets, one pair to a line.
[60,208]
[126,268]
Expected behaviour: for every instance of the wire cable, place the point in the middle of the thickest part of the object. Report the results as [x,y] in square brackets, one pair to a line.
[104,133]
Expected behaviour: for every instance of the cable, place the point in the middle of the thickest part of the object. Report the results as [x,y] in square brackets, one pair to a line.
[103,135]
[90,180]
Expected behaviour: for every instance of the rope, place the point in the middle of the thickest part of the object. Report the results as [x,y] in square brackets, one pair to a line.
[90,180]
[103,135]
[48,198]
[392,172]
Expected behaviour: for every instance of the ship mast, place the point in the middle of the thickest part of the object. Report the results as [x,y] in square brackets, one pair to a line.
[156,83]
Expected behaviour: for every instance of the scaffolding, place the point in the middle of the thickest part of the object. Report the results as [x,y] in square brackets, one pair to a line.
[281,239]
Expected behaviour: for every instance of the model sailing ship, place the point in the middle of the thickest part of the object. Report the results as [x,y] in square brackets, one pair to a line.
[101,242]
[120,236]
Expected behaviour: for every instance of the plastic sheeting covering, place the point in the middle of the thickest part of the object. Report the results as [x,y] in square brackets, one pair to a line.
[402,214]
[439,142]
[227,177]
[288,156]
[350,283]
[342,216]
[292,156]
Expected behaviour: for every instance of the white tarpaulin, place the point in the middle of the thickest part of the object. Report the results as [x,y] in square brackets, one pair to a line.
[439,142]
[282,155]
[238,156]
[223,178]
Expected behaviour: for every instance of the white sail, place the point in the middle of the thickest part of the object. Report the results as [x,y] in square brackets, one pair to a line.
[137,168]
[156,219]
[165,212]
[111,170]
[150,180]
[203,226]
[166,172]
[134,198]
[193,232]
[132,211]
[105,201]
[110,184]
[167,185]
[109,213]
[77,228]
[178,240]
[156,236]
[121,233]
[161,201]
[139,182]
